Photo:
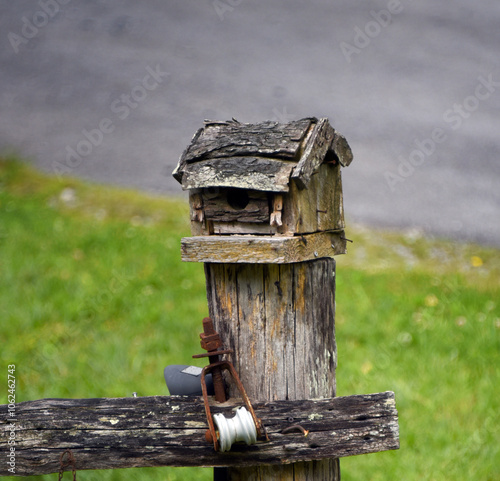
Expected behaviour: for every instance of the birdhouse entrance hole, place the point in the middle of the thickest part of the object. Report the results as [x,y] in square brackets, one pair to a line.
[237,198]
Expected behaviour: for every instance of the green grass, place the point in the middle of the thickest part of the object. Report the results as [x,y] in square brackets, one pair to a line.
[95,302]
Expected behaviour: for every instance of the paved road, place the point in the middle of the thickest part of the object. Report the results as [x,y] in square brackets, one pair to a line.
[113,91]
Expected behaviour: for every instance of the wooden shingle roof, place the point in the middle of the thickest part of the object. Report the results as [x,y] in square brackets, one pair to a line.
[263,156]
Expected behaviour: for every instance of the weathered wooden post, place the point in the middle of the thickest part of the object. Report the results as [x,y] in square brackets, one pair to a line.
[267,215]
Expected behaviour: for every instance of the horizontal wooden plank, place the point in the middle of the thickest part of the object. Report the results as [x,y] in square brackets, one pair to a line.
[263,249]
[236,205]
[169,431]
[257,173]
[243,228]
[230,139]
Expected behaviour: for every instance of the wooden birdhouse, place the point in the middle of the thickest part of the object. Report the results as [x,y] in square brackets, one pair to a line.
[267,184]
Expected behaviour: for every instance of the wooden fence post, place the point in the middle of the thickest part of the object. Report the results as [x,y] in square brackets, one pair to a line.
[279,319]
[266,206]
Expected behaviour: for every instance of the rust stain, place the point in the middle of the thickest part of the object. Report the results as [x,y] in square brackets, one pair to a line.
[276,327]
[274,367]
[300,301]
[226,303]
[253,351]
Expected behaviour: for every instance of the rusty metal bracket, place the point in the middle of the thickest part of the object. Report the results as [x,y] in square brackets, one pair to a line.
[210,340]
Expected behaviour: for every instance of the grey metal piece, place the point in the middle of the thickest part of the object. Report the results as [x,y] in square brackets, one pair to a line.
[184,380]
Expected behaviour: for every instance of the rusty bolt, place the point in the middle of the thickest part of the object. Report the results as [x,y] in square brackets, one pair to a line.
[208,436]
[211,342]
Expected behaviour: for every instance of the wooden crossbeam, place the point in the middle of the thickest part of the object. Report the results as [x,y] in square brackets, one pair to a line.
[111,433]
[256,250]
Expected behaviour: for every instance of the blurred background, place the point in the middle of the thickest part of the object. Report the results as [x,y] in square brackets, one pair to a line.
[94,298]
[113,91]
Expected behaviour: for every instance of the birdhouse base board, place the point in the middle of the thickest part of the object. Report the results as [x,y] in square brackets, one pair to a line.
[250,249]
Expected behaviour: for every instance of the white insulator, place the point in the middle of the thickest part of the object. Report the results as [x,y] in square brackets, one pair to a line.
[239,428]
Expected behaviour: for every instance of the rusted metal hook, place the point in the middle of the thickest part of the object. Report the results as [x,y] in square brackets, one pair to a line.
[295,427]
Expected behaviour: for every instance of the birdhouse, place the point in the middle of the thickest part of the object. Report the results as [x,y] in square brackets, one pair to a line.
[273,190]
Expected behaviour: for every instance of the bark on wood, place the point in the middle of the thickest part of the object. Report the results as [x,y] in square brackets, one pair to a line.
[262,250]
[340,148]
[243,228]
[169,431]
[318,208]
[280,321]
[314,153]
[268,139]
[220,153]
[249,172]
[260,156]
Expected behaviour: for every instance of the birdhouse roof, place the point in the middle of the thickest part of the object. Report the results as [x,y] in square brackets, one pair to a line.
[263,156]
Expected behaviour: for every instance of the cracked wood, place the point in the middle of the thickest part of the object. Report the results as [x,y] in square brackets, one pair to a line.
[169,431]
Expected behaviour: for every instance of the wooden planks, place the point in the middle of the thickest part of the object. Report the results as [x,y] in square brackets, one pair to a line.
[341,149]
[236,205]
[228,139]
[262,249]
[110,433]
[264,156]
[226,154]
[314,153]
[319,207]
[258,173]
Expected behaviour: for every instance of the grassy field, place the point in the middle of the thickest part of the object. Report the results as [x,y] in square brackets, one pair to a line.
[95,302]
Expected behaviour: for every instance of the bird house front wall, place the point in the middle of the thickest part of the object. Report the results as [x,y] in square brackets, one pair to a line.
[316,208]
[231,211]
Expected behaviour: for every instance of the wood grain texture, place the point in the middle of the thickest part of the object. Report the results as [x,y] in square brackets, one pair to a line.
[249,172]
[235,205]
[280,321]
[111,433]
[314,153]
[226,154]
[262,249]
[317,208]
[264,156]
[243,228]
[269,139]
[341,150]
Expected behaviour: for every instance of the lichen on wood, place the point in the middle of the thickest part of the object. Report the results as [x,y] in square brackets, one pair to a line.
[110,433]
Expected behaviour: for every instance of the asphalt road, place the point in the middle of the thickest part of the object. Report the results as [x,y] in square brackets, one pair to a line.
[113,91]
